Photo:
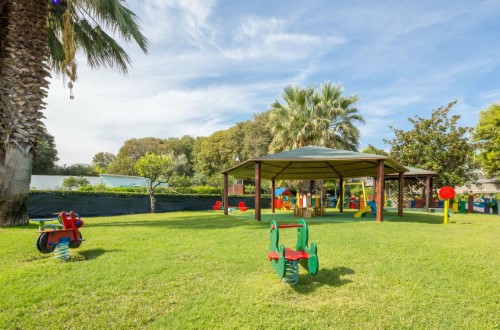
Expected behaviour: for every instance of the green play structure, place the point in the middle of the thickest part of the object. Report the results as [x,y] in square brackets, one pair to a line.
[285,260]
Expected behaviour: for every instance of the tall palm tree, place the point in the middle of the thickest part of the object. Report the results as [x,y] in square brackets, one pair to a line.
[324,118]
[35,37]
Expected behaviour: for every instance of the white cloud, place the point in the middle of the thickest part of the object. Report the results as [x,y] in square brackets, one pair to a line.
[492,95]
[387,106]
[268,38]
[106,112]
[178,20]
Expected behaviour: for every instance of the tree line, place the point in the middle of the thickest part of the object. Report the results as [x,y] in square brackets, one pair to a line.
[304,116]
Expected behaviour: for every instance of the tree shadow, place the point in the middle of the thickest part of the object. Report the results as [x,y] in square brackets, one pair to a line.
[331,277]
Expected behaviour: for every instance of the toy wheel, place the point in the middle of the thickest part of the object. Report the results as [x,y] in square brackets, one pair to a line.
[41,244]
[74,245]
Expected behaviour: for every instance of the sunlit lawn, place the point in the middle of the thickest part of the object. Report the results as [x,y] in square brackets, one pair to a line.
[204,270]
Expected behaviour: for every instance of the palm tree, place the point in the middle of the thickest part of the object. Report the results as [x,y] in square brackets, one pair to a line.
[324,118]
[35,37]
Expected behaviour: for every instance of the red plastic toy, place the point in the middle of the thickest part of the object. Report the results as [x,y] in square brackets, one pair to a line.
[49,239]
[217,205]
[242,206]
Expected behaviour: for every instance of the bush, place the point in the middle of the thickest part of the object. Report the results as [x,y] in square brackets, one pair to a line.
[205,190]
[74,183]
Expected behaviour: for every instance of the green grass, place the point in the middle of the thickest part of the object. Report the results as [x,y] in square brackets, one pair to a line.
[203,270]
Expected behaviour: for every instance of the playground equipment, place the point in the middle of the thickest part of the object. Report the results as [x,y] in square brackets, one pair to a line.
[217,206]
[282,199]
[363,204]
[446,193]
[370,207]
[53,237]
[309,205]
[285,260]
[485,204]
[242,206]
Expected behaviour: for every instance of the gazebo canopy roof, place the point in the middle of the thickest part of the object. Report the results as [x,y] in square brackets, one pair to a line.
[315,163]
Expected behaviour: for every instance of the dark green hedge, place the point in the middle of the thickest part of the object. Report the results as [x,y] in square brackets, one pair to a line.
[44,204]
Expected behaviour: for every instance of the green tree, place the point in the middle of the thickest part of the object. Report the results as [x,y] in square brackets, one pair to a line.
[132,150]
[307,116]
[157,169]
[180,183]
[256,136]
[101,161]
[76,169]
[487,134]
[373,150]
[218,151]
[72,183]
[32,34]
[437,144]
[45,155]
[312,117]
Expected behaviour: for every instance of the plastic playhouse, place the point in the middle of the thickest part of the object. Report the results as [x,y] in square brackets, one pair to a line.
[60,236]
[282,199]
[285,260]
[309,205]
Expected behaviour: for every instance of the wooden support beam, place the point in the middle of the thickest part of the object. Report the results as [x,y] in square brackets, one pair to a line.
[257,191]
[341,197]
[380,190]
[400,193]
[428,193]
[272,195]
[226,195]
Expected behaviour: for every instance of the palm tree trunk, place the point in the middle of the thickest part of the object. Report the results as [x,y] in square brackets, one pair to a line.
[15,188]
[23,86]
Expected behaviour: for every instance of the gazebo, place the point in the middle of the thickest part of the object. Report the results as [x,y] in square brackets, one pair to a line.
[318,163]
[422,176]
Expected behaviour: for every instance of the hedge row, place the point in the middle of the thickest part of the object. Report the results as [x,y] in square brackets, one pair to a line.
[44,204]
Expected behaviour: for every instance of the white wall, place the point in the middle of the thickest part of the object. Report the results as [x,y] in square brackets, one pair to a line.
[53,182]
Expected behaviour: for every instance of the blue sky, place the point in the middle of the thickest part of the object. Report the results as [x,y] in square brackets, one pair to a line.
[214,63]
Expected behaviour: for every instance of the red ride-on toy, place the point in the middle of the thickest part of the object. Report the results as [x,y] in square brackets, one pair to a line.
[68,236]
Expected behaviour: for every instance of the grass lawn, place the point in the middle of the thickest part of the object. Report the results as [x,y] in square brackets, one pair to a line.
[204,270]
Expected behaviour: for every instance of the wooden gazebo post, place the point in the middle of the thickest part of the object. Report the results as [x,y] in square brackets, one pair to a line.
[226,195]
[257,191]
[272,195]
[341,197]
[428,192]
[380,190]
[400,193]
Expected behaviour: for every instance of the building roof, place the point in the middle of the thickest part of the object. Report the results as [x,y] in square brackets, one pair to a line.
[313,163]
[413,173]
[281,191]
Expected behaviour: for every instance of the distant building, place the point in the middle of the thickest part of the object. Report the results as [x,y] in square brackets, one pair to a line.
[54,182]
[113,180]
[485,186]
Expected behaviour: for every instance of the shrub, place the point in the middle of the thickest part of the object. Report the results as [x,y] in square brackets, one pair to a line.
[206,190]
[74,183]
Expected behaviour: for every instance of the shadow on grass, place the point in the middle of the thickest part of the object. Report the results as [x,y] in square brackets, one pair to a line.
[331,277]
[210,220]
[182,222]
[420,217]
[85,255]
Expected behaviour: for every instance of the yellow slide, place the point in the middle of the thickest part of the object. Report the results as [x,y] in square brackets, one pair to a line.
[363,210]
